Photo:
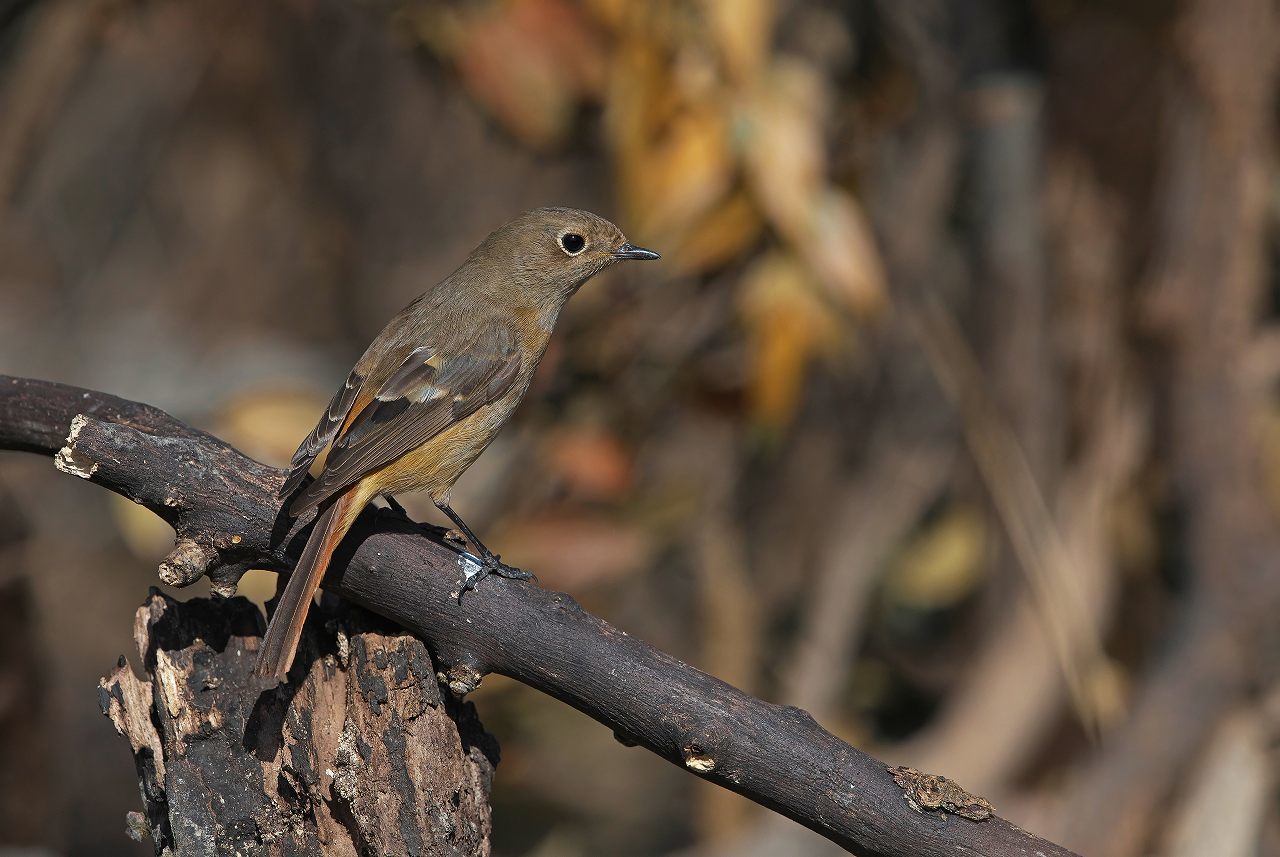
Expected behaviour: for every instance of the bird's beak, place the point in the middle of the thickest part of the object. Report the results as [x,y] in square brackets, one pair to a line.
[631,251]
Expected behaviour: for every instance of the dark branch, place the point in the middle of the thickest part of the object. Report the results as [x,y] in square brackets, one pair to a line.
[223,508]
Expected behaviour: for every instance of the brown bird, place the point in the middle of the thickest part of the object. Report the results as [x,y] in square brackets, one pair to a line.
[434,388]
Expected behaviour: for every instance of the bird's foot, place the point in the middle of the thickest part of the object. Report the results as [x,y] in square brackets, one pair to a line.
[493,564]
[510,572]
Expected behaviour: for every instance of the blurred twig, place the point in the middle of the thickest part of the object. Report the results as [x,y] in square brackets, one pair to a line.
[874,514]
[1007,474]
[1108,427]
[1223,813]
[1005,414]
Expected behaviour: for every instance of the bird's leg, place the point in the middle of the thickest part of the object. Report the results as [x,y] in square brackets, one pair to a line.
[490,562]
[394,505]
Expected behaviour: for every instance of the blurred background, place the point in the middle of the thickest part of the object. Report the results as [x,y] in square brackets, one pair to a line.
[950,414]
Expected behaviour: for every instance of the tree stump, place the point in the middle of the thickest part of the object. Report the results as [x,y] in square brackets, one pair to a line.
[361,752]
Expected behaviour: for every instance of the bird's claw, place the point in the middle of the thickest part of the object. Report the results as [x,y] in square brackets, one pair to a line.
[493,565]
[512,573]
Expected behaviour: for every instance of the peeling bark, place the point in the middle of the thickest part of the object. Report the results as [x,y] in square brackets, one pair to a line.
[362,755]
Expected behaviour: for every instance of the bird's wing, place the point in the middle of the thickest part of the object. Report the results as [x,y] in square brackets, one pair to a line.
[432,390]
[324,432]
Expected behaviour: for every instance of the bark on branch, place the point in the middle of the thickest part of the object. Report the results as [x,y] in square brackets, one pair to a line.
[222,506]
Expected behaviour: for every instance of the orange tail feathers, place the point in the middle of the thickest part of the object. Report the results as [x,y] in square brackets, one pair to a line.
[280,643]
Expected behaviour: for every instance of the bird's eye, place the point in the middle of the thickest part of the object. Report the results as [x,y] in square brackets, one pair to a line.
[572,243]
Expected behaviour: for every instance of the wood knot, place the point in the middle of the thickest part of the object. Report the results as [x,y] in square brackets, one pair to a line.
[696,759]
[187,562]
[462,679]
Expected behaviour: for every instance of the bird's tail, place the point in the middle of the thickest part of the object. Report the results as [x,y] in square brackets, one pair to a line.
[281,640]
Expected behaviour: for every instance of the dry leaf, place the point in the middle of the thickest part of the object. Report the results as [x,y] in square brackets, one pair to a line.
[681,176]
[742,30]
[788,326]
[592,462]
[785,160]
[782,145]
[941,564]
[843,254]
[530,63]
[721,236]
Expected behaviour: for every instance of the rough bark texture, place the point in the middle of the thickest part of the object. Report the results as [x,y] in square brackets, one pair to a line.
[363,755]
[223,507]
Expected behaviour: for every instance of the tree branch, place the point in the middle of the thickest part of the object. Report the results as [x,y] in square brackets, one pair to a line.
[222,506]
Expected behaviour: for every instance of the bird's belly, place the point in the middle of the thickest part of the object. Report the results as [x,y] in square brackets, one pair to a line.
[437,464]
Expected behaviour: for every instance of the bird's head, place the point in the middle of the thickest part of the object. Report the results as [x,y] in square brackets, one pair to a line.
[548,253]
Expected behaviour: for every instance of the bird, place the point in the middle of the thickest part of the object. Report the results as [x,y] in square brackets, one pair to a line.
[432,391]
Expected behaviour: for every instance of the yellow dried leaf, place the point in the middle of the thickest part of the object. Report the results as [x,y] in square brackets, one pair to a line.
[718,238]
[839,247]
[655,21]
[682,175]
[785,161]
[742,30]
[941,564]
[610,13]
[635,111]
[788,327]
[635,104]
[780,136]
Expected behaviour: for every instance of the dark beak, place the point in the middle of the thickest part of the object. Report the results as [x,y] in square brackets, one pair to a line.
[631,251]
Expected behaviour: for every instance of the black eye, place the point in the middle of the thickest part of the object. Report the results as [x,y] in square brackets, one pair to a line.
[572,243]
